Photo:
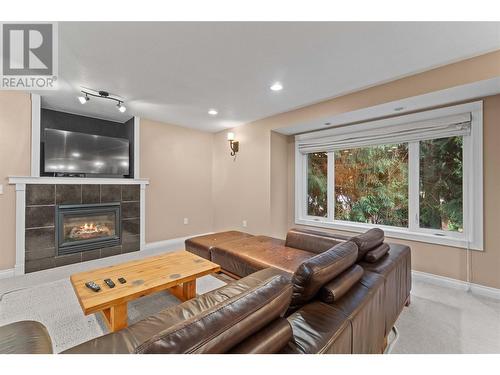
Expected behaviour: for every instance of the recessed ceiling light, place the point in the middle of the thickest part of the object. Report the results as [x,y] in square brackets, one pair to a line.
[212,112]
[75,154]
[276,86]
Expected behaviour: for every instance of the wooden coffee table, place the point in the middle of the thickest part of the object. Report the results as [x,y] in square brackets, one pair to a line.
[175,271]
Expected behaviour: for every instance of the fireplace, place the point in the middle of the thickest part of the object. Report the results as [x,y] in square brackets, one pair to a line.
[86,227]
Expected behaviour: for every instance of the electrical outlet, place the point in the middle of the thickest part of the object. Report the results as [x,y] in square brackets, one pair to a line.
[244,223]
[186,221]
[1,188]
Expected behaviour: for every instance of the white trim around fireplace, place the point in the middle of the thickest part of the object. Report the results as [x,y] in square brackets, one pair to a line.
[142,214]
[35,134]
[137,143]
[21,183]
[20,228]
[76,180]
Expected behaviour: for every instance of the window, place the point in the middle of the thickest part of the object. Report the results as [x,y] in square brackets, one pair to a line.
[417,177]
[371,185]
[441,184]
[317,204]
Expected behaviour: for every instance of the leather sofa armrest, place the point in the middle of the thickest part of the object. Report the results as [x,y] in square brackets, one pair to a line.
[271,339]
[339,286]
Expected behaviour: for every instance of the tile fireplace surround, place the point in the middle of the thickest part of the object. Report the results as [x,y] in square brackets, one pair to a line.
[36,203]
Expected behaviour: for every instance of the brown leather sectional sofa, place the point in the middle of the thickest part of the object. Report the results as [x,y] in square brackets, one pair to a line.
[350,312]
[312,293]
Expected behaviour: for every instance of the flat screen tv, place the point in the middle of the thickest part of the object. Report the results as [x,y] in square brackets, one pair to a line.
[67,152]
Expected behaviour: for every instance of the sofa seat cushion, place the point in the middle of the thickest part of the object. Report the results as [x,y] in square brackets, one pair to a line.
[395,267]
[318,328]
[316,271]
[211,323]
[201,245]
[363,306]
[245,256]
[25,337]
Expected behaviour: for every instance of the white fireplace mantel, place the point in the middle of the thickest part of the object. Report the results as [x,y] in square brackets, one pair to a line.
[22,181]
[77,180]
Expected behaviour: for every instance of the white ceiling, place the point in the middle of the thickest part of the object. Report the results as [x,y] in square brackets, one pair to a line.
[175,72]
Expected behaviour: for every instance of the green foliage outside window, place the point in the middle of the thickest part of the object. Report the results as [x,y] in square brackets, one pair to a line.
[371,185]
[317,184]
[441,174]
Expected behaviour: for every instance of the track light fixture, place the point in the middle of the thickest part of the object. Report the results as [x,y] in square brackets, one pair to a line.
[103,95]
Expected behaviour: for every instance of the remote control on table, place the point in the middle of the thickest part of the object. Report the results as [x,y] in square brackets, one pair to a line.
[109,283]
[93,286]
[122,280]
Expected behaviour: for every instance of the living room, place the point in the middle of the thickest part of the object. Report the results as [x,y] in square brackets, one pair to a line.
[250,187]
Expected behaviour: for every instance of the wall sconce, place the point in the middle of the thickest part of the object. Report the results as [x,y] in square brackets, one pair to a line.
[234,145]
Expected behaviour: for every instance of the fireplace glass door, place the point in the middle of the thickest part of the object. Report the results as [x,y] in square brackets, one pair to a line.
[87,227]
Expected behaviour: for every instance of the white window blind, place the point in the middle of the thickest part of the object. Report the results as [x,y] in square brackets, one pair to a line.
[383,132]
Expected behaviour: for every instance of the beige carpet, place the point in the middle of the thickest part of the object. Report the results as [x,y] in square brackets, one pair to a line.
[445,320]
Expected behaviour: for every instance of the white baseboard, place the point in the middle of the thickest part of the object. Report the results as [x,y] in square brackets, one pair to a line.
[448,282]
[170,245]
[5,274]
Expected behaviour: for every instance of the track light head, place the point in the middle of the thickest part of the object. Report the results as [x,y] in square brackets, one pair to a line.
[83,99]
[121,107]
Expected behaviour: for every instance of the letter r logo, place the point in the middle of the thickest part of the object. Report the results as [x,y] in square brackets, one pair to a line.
[27,49]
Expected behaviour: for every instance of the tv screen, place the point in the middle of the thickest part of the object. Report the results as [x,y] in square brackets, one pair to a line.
[79,153]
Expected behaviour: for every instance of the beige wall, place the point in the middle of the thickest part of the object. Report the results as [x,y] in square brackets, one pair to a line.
[178,163]
[279,184]
[241,186]
[15,149]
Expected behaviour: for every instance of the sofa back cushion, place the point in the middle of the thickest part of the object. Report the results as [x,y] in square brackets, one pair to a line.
[335,289]
[315,272]
[218,329]
[312,241]
[368,241]
[374,255]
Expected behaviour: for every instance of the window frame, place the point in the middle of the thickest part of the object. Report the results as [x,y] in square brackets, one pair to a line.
[472,235]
